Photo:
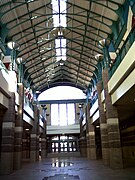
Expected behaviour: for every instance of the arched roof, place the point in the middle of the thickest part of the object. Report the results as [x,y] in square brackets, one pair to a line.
[31,24]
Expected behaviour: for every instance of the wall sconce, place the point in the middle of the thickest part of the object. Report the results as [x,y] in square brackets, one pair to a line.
[104,42]
[99,57]
[80,106]
[13,45]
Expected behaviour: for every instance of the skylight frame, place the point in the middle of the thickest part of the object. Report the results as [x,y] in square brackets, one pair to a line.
[59,21]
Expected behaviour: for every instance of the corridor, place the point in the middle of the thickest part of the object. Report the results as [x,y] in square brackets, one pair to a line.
[69,169]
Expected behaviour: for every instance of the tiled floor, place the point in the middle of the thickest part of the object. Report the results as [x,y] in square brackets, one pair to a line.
[69,169]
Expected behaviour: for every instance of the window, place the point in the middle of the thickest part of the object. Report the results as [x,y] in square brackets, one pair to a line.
[62,93]
[54,114]
[62,114]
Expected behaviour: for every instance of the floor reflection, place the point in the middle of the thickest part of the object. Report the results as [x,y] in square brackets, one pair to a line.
[61,164]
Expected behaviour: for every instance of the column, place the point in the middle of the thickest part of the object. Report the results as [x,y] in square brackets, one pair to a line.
[43,143]
[103,127]
[91,146]
[112,126]
[82,142]
[34,141]
[19,130]
[7,144]
[87,128]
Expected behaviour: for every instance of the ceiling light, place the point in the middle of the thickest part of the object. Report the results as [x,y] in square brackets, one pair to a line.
[34,17]
[43,58]
[40,41]
[42,50]
[61,63]
[27,129]
[37,92]
[29,1]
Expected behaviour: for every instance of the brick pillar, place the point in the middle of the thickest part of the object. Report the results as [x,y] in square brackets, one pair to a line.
[43,143]
[113,127]
[82,142]
[91,146]
[24,147]
[34,142]
[103,127]
[7,145]
[19,130]
[87,128]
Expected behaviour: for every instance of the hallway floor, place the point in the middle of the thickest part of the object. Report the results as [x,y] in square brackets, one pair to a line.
[69,169]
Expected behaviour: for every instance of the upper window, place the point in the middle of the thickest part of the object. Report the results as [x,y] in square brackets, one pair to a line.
[61,93]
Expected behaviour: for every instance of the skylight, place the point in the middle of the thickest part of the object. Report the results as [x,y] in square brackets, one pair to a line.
[59,21]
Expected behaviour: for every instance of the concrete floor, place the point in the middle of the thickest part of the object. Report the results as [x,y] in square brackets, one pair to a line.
[69,169]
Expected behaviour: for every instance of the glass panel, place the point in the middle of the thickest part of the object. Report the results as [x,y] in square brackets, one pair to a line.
[54,114]
[55,138]
[63,137]
[61,144]
[71,113]
[62,114]
[65,144]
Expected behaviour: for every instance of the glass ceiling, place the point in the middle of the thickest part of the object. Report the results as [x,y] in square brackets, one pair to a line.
[59,20]
[59,38]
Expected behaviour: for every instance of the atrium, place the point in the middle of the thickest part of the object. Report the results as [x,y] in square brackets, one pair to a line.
[67,83]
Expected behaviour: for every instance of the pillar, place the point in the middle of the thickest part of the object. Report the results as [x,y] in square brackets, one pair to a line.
[19,130]
[82,141]
[7,144]
[91,146]
[43,143]
[103,127]
[115,150]
[34,138]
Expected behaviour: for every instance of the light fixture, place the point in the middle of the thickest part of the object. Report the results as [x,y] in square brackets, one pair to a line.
[80,105]
[61,62]
[27,129]
[19,60]
[104,42]
[29,1]
[38,92]
[13,45]
[34,17]
[99,57]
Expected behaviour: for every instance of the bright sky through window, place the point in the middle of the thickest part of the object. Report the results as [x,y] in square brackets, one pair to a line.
[62,114]
[59,20]
[62,92]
